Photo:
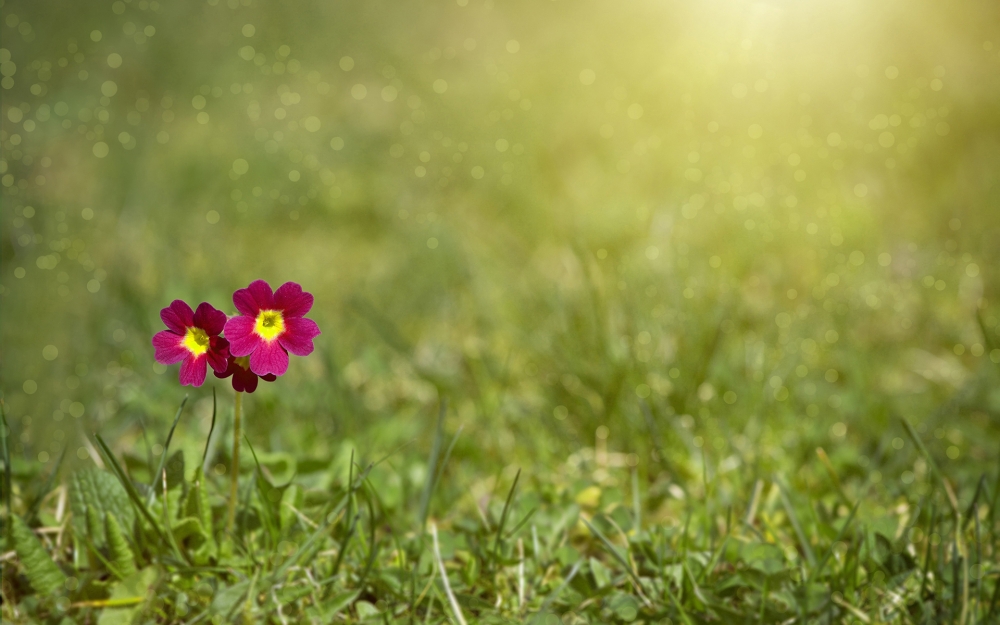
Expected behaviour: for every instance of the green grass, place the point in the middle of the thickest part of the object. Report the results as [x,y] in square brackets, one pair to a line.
[604,537]
[653,312]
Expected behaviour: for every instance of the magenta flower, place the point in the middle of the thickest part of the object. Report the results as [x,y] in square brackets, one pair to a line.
[244,380]
[192,339]
[270,325]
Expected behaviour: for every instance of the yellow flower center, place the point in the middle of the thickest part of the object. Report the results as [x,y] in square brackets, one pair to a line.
[270,324]
[243,361]
[196,341]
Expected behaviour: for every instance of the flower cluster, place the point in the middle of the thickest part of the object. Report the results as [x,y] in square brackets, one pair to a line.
[253,344]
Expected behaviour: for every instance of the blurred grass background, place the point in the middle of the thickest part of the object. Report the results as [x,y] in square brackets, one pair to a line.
[709,234]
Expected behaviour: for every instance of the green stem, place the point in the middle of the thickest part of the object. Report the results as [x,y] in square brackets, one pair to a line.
[235,468]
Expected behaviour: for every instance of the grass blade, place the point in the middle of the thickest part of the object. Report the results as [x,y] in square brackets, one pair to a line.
[793,517]
[628,566]
[444,578]
[503,515]
[555,595]
[5,446]
[425,497]
[829,552]
[211,429]
[166,449]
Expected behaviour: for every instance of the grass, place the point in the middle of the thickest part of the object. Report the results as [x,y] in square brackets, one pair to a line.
[644,312]
[602,538]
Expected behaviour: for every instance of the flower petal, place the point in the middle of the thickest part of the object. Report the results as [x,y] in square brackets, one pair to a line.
[270,377]
[262,294]
[193,371]
[245,303]
[246,379]
[292,301]
[228,372]
[269,357]
[218,353]
[210,319]
[169,349]
[178,316]
[298,335]
[241,337]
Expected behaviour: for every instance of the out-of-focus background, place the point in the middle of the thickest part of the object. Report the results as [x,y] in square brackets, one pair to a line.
[727,229]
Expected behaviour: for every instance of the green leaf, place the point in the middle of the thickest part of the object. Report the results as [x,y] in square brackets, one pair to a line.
[227,598]
[98,490]
[175,472]
[602,576]
[134,586]
[43,574]
[339,602]
[189,527]
[197,507]
[292,497]
[121,554]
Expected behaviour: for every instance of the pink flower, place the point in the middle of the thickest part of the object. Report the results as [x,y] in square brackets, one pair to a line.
[192,339]
[244,380]
[270,325]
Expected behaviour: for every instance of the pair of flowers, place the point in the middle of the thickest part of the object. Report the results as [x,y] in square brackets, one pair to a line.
[270,324]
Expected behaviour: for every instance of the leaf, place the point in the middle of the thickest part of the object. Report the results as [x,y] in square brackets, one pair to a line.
[43,574]
[291,594]
[96,489]
[197,507]
[175,472]
[121,554]
[292,497]
[766,558]
[134,586]
[365,610]
[602,576]
[227,598]
[189,527]
[339,602]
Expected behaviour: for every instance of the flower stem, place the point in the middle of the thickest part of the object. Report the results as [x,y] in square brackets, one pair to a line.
[234,470]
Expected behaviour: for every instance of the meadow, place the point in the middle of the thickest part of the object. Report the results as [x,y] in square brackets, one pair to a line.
[639,312]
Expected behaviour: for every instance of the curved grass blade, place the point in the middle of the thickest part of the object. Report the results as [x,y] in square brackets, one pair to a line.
[211,429]
[555,595]
[829,552]
[163,456]
[425,496]
[503,515]
[5,446]
[522,523]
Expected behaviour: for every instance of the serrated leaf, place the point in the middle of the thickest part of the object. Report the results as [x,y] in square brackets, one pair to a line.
[95,526]
[43,574]
[122,557]
[96,489]
[197,506]
[134,586]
